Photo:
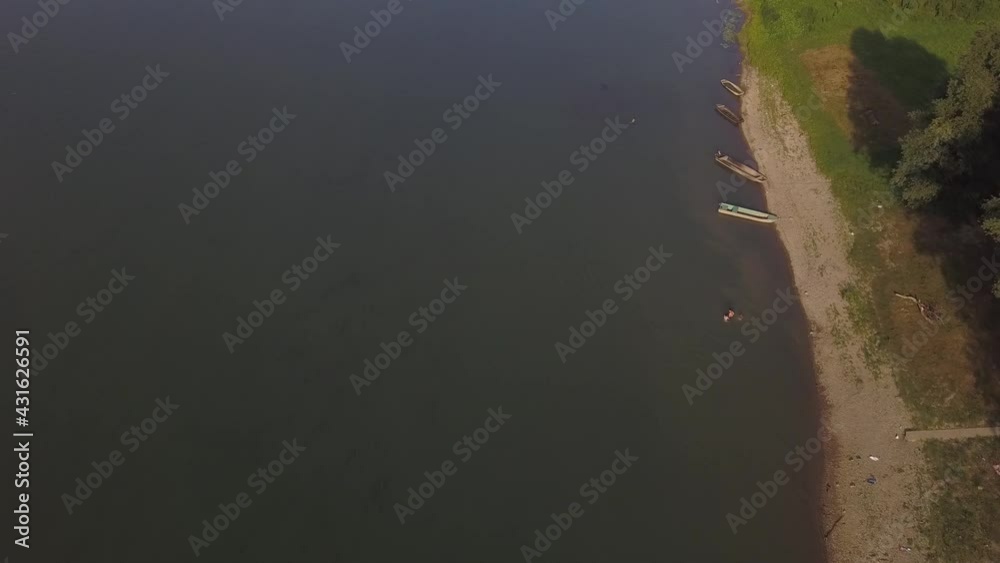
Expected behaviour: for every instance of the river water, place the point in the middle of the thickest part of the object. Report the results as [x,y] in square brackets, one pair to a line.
[484,384]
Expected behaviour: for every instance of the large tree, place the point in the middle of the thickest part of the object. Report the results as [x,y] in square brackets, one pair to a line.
[953,157]
[948,151]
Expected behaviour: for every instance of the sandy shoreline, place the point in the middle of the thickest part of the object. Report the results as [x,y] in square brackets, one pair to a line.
[869,522]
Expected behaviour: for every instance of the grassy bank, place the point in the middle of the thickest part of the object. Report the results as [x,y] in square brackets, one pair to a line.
[969,493]
[856,70]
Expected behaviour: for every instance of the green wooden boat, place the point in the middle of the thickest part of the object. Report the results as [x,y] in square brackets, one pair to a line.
[747,213]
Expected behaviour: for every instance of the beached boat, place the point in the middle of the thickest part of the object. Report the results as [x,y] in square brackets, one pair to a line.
[739,168]
[733,88]
[747,213]
[729,114]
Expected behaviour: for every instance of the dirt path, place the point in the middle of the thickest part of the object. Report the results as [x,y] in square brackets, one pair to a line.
[952,433]
[865,412]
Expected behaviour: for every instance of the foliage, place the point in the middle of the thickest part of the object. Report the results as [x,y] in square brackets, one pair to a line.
[889,246]
[991,220]
[946,8]
[954,157]
[942,155]
[964,522]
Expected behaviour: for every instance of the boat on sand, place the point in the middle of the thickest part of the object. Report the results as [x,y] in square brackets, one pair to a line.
[740,168]
[732,87]
[729,114]
[747,213]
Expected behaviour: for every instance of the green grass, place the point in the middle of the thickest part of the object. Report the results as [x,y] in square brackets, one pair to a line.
[776,34]
[861,311]
[912,61]
[778,28]
[964,520]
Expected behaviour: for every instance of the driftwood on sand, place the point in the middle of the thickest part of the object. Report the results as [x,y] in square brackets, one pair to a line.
[928,311]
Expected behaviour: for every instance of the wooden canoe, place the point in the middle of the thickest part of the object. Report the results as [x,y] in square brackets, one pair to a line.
[732,87]
[747,213]
[729,114]
[740,168]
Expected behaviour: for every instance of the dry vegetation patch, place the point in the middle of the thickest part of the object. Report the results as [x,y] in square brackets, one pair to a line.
[865,111]
[938,376]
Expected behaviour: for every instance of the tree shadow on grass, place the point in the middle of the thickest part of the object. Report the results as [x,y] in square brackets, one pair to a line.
[889,79]
[970,259]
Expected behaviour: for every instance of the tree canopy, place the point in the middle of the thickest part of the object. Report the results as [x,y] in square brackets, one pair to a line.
[953,156]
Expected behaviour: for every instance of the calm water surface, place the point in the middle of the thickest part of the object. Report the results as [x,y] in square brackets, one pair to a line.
[493,347]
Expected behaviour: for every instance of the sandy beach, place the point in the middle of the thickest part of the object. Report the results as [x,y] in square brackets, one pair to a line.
[862,521]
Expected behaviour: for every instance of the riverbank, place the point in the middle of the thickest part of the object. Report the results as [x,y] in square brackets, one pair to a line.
[861,520]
